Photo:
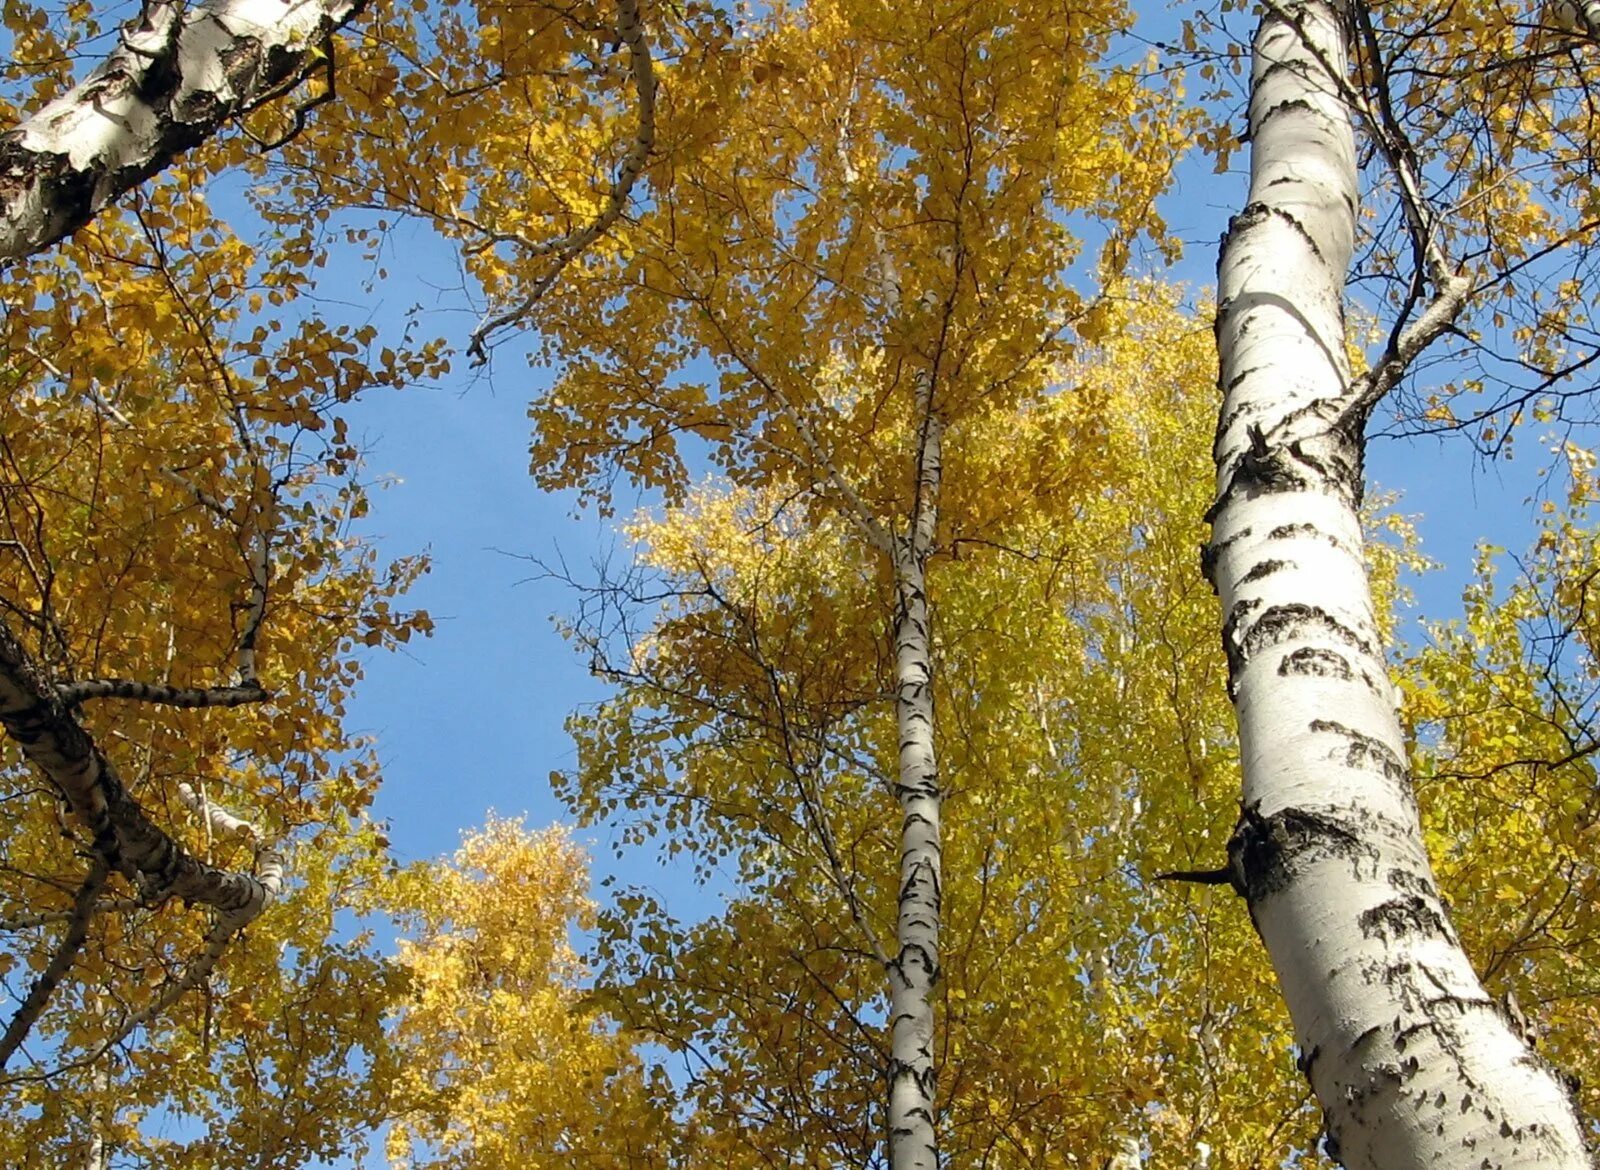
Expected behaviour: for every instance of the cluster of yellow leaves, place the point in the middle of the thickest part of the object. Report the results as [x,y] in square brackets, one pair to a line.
[504,1063]
[500,124]
[1503,707]
[854,187]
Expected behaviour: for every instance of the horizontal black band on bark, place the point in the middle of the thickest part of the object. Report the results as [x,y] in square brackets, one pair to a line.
[1404,916]
[1247,632]
[1211,552]
[1318,662]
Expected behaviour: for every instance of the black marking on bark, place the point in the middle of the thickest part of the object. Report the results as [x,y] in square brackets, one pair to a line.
[1403,916]
[1263,569]
[1233,384]
[1249,216]
[1317,661]
[1304,529]
[1233,645]
[1412,882]
[1266,466]
[1280,623]
[1285,531]
[1266,851]
[1256,214]
[1227,418]
[1364,751]
[1211,551]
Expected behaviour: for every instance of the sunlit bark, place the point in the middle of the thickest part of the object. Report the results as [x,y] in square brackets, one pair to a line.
[1414,1064]
[177,75]
[913,1140]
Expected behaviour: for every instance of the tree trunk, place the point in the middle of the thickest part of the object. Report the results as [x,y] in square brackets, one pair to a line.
[1415,1066]
[1580,16]
[913,1140]
[177,75]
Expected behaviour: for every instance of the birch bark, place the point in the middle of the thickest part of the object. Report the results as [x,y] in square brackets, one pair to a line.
[1414,1064]
[913,1139]
[53,740]
[1581,16]
[178,74]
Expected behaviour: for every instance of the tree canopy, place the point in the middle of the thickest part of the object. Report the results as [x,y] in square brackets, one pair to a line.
[861,323]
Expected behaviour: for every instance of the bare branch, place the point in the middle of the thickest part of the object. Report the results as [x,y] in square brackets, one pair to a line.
[197,972]
[161,694]
[23,922]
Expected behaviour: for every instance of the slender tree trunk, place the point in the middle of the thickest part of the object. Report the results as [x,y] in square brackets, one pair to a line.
[913,1140]
[97,1151]
[1415,1066]
[178,74]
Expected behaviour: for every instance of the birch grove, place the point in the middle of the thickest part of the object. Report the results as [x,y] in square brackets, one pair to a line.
[914,684]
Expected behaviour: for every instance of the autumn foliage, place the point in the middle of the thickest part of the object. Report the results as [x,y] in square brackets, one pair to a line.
[865,301]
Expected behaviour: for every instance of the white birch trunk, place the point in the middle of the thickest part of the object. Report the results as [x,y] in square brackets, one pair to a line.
[1579,16]
[1415,1066]
[178,74]
[97,1152]
[913,1140]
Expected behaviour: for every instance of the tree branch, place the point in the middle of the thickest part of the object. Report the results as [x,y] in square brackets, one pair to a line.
[33,714]
[178,75]
[162,694]
[630,31]
[78,919]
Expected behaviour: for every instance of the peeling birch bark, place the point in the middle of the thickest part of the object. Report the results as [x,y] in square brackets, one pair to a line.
[177,76]
[913,1137]
[1415,1066]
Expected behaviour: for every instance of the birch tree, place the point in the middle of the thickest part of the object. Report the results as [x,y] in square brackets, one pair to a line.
[504,1063]
[753,733]
[1414,1064]
[905,220]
